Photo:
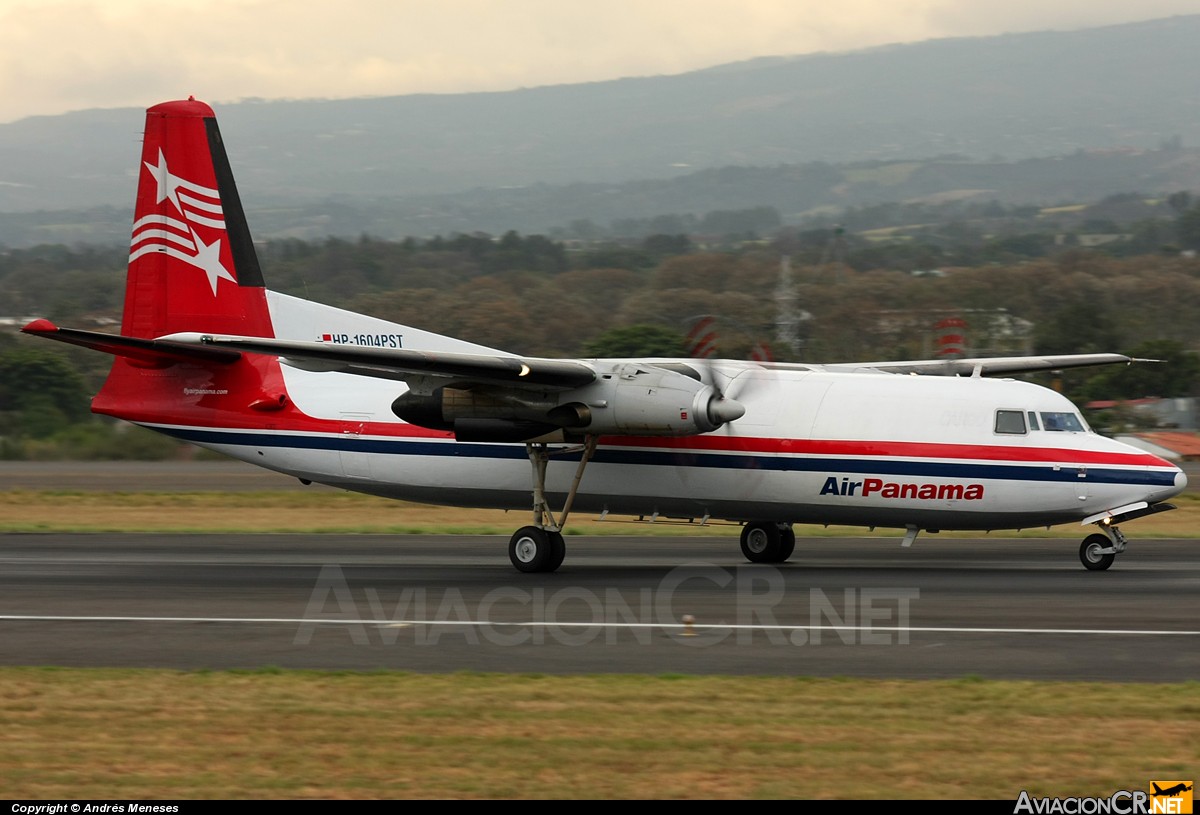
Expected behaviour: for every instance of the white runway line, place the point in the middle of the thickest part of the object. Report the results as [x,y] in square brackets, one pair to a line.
[878,629]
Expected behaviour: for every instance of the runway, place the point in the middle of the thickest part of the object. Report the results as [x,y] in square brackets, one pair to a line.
[947,607]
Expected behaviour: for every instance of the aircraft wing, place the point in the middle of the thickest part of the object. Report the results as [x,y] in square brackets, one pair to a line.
[422,370]
[153,353]
[988,366]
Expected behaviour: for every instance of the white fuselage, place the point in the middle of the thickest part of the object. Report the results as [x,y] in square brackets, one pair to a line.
[814,446]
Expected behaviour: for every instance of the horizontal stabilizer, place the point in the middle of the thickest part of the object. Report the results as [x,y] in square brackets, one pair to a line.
[414,367]
[150,353]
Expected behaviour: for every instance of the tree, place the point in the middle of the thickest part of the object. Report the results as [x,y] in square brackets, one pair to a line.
[1077,328]
[1187,227]
[667,245]
[1175,374]
[643,340]
[40,392]
[1180,201]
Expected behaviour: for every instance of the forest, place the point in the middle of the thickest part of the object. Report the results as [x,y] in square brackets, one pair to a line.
[839,295]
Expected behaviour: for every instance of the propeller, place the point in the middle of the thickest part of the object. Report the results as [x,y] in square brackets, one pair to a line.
[729,385]
[722,409]
[702,340]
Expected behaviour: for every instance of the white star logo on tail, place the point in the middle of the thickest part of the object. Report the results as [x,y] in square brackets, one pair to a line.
[176,237]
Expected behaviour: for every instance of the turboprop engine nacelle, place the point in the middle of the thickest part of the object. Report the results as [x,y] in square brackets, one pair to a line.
[637,400]
[645,400]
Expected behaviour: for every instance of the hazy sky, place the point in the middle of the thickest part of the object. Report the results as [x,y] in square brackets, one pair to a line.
[60,55]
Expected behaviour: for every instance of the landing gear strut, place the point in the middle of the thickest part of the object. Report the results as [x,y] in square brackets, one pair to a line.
[540,547]
[766,542]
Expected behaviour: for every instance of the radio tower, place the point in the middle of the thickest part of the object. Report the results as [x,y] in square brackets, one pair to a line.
[787,317]
[835,250]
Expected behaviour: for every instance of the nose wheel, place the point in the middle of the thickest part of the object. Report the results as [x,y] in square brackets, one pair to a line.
[1097,552]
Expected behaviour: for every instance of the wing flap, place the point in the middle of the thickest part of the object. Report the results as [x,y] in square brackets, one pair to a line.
[989,366]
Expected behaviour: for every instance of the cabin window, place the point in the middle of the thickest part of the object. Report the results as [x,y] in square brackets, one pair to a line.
[1033,422]
[1062,421]
[1010,421]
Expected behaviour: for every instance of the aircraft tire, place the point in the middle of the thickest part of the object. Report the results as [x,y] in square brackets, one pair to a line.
[1090,555]
[558,551]
[530,549]
[762,542]
[787,544]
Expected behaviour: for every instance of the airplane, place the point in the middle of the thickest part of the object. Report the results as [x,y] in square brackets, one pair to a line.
[1170,792]
[209,355]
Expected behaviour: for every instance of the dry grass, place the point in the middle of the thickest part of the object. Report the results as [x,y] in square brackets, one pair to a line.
[317,511]
[123,734]
[344,512]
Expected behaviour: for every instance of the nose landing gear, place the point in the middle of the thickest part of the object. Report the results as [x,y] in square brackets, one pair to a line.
[1097,552]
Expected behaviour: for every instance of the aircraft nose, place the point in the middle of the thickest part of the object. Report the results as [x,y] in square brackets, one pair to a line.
[1181,480]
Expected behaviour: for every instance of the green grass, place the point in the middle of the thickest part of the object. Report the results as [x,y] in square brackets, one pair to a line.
[99,733]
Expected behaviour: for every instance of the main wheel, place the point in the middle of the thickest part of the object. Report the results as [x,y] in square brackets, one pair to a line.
[530,549]
[1090,555]
[787,543]
[558,551]
[761,542]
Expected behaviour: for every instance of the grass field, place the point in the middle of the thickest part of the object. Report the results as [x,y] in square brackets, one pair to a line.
[137,734]
[123,734]
[344,512]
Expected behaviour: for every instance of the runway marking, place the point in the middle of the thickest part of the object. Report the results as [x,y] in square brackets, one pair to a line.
[912,629]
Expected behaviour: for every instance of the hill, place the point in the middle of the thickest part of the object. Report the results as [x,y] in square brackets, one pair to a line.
[997,100]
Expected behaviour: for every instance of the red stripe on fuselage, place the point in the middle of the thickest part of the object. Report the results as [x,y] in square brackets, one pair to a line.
[891,449]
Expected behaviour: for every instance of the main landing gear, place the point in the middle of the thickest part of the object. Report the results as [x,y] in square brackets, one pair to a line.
[765,542]
[540,547]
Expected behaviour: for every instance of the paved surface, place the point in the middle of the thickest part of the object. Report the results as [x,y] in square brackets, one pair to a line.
[141,476]
[862,607]
[856,607]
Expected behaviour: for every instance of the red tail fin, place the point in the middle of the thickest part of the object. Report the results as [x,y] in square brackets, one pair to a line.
[192,265]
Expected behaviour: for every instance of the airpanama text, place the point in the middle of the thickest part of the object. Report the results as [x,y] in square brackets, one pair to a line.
[877,487]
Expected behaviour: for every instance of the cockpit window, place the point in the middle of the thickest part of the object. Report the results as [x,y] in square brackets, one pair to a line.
[1033,422]
[1011,421]
[1062,421]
